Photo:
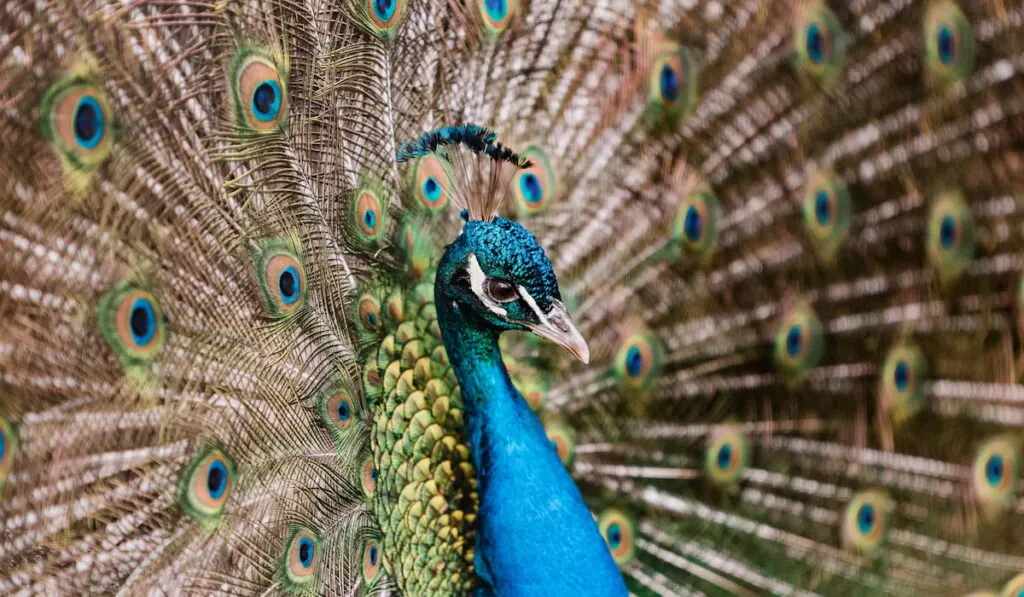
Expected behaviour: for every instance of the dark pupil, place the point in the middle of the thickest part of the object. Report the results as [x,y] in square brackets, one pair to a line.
[383,6]
[615,535]
[3,444]
[693,225]
[215,479]
[374,474]
[794,341]
[947,232]
[867,516]
[822,208]
[995,469]
[947,45]
[305,552]
[369,218]
[343,410]
[372,318]
[373,556]
[815,43]
[901,376]
[140,321]
[431,186]
[264,98]
[725,456]
[532,187]
[634,361]
[287,284]
[85,122]
[669,83]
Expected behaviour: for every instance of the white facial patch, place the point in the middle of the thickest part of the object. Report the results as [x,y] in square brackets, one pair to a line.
[477,277]
[543,319]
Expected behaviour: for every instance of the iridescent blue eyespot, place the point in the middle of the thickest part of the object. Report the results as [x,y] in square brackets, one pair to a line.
[669,83]
[496,9]
[384,9]
[725,456]
[794,341]
[947,45]
[142,321]
[306,552]
[866,518]
[634,361]
[614,535]
[89,122]
[815,43]
[374,554]
[693,225]
[288,284]
[947,232]
[994,470]
[530,185]
[822,207]
[431,189]
[266,100]
[344,411]
[369,219]
[217,479]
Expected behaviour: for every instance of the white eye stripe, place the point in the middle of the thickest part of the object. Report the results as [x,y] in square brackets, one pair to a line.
[533,305]
[477,277]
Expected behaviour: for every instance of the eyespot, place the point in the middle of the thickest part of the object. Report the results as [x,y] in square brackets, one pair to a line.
[819,41]
[949,42]
[534,389]
[533,188]
[950,236]
[369,476]
[697,222]
[369,313]
[726,456]
[1014,588]
[563,439]
[799,342]
[672,84]
[866,521]
[996,474]
[367,217]
[432,186]
[619,532]
[501,291]
[8,449]
[338,410]
[78,123]
[208,482]
[902,382]
[261,100]
[132,324]
[827,210]
[497,15]
[638,362]
[282,278]
[302,559]
[386,16]
[372,558]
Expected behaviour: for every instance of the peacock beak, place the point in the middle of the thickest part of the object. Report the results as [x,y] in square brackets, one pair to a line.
[557,326]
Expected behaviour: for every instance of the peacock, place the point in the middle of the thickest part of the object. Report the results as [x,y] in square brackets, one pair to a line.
[511,297]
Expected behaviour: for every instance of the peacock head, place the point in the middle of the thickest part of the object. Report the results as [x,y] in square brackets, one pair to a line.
[496,275]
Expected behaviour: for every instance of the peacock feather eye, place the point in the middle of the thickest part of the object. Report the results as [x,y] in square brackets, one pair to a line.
[902,382]
[950,236]
[1014,588]
[77,122]
[948,42]
[534,187]
[996,474]
[726,456]
[386,16]
[282,276]
[432,185]
[260,93]
[697,223]
[497,15]
[368,475]
[866,521]
[672,84]
[638,361]
[563,439]
[799,341]
[369,313]
[827,210]
[367,216]
[300,561]
[206,486]
[372,559]
[132,324]
[338,410]
[619,532]
[8,449]
[819,41]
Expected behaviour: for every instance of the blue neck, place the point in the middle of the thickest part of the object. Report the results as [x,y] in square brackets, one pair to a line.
[535,534]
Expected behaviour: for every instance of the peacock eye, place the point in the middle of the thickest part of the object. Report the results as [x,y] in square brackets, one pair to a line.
[501,290]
